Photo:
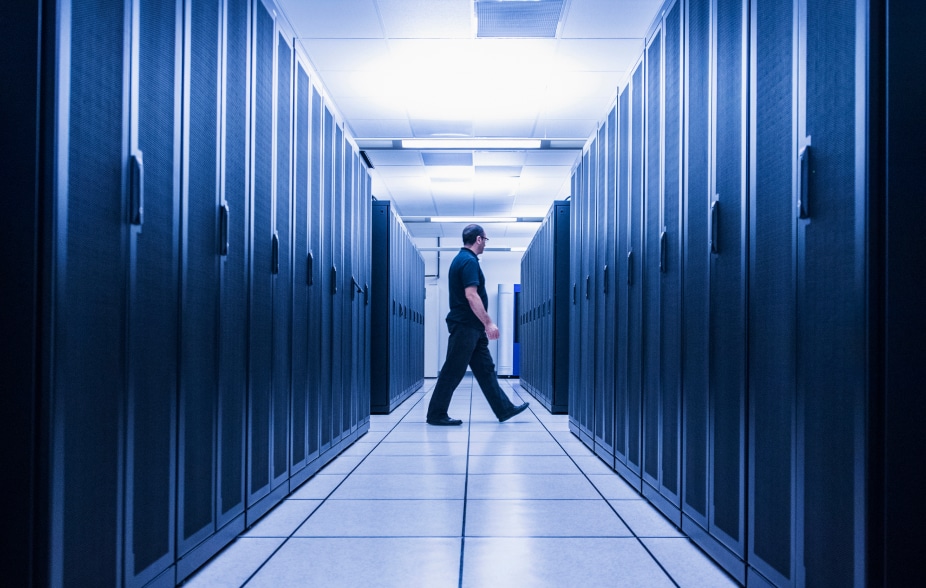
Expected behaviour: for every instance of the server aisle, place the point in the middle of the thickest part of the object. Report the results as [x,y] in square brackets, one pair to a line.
[521,503]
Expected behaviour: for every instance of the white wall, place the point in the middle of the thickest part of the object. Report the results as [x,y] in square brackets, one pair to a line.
[498,267]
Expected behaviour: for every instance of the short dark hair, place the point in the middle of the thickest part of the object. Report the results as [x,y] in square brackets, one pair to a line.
[470,232]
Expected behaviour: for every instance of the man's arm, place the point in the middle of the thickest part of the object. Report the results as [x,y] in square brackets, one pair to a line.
[475,303]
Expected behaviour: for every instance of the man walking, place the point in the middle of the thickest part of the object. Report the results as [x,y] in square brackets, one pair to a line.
[471,327]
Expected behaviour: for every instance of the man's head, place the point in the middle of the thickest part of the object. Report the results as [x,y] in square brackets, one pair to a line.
[474,238]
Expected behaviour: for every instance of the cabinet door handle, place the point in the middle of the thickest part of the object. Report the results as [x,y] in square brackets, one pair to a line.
[803,189]
[223,229]
[663,262]
[715,226]
[309,269]
[275,258]
[630,268]
[605,279]
[366,294]
[137,189]
[588,287]
[573,294]
[334,279]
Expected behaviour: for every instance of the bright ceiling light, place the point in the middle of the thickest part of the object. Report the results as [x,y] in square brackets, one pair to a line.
[474,219]
[471,143]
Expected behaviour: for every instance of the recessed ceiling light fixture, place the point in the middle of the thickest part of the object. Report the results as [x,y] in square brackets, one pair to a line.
[474,219]
[471,143]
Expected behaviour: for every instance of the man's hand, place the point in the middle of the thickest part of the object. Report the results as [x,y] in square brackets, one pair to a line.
[492,332]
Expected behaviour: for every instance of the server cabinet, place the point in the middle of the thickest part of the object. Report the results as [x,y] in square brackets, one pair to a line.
[153,296]
[671,268]
[336,240]
[727,328]
[622,309]
[601,417]
[661,280]
[653,238]
[581,392]
[397,323]
[632,412]
[271,285]
[325,260]
[90,219]
[832,228]
[771,326]
[545,310]
[302,311]
[696,281]
[200,275]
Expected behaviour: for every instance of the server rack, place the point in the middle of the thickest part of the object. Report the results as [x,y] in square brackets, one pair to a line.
[544,311]
[751,210]
[180,218]
[397,290]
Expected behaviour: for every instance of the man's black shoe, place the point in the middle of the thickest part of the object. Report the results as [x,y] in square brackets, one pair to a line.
[445,422]
[517,410]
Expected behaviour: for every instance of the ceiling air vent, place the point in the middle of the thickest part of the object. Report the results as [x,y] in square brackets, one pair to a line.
[518,18]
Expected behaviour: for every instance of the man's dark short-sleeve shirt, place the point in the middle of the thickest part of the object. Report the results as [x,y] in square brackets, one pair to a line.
[465,271]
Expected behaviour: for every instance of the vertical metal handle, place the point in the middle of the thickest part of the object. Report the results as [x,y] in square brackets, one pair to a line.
[573,294]
[662,251]
[137,189]
[223,229]
[630,267]
[309,269]
[275,259]
[366,294]
[334,279]
[588,287]
[803,189]
[605,279]
[715,226]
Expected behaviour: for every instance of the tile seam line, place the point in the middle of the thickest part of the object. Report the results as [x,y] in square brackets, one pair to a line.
[469,424]
[325,499]
[634,534]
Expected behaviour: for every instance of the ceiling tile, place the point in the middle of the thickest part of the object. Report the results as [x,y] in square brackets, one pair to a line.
[353,19]
[567,157]
[597,54]
[499,157]
[380,128]
[427,18]
[348,54]
[592,19]
[507,128]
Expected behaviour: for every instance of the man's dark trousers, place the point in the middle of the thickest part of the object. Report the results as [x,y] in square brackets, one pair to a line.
[467,346]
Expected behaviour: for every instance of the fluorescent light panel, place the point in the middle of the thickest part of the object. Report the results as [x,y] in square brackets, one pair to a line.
[474,219]
[471,143]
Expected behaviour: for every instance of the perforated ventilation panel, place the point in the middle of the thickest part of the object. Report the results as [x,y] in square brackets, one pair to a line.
[518,18]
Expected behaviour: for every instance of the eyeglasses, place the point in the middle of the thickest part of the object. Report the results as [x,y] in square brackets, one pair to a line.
[483,237]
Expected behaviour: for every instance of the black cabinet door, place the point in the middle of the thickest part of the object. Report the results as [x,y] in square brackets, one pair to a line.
[832,231]
[302,310]
[151,427]
[199,278]
[233,305]
[771,294]
[260,397]
[602,405]
[727,360]
[281,377]
[696,204]
[652,260]
[87,282]
[670,391]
